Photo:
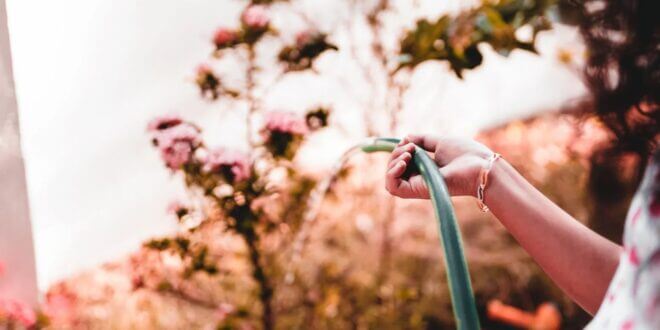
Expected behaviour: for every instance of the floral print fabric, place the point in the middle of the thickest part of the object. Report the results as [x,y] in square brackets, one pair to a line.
[633,298]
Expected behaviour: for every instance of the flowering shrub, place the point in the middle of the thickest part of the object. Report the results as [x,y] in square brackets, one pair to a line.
[14,313]
[317,118]
[175,140]
[309,45]
[232,184]
[178,209]
[231,165]
[225,37]
[283,133]
[255,18]
[208,82]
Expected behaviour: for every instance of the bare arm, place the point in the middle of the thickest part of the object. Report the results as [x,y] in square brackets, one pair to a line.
[580,261]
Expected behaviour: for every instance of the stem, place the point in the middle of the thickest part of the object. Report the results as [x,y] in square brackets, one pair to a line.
[251,100]
[259,275]
[176,293]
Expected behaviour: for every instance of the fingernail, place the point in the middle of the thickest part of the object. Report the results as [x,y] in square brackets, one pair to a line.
[401,163]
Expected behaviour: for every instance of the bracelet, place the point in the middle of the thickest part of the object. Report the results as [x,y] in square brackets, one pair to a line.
[483,180]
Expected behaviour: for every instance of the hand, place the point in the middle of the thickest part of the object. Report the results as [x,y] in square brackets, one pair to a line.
[459,161]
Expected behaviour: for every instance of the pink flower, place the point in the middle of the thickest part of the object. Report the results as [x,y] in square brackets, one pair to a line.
[18,311]
[164,122]
[307,37]
[60,304]
[224,37]
[137,281]
[177,143]
[204,69]
[234,166]
[207,81]
[285,122]
[303,38]
[60,307]
[177,208]
[283,133]
[255,17]
[224,310]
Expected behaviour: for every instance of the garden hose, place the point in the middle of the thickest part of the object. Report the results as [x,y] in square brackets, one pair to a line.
[458,276]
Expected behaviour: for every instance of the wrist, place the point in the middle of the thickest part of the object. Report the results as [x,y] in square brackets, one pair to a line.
[496,180]
[483,180]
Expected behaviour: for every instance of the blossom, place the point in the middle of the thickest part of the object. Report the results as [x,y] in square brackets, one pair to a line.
[18,311]
[283,132]
[164,122]
[224,37]
[285,122]
[177,144]
[60,304]
[233,165]
[207,81]
[255,17]
[177,208]
[224,310]
[204,69]
[317,118]
[308,46]
[305,37]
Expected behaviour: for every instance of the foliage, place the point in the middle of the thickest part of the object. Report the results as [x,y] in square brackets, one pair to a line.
[308,46]
[455,39]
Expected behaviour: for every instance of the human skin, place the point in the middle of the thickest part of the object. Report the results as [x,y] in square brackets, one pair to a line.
[579,261]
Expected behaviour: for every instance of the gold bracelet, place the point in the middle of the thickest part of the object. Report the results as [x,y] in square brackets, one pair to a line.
[483,180]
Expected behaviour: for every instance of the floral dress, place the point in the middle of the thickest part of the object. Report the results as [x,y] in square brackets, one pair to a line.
[633,297]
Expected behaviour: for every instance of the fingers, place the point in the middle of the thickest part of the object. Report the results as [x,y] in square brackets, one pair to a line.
[424,141]
[397,166]
[400,158]
[396,170]
[405,156]
[393,177]
[401,149]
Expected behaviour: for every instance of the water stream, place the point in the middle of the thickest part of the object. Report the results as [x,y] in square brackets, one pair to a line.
[314,204]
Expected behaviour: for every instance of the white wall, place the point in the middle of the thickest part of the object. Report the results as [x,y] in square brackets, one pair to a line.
[17,267]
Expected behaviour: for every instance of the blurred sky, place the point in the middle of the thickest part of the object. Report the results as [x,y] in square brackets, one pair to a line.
[91,73]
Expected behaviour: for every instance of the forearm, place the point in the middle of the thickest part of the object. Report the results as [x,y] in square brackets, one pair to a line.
[580,261]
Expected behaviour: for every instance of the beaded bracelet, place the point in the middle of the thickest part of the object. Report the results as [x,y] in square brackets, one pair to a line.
[483,180]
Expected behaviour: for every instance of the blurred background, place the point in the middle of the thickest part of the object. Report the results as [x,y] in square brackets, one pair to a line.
[177,155]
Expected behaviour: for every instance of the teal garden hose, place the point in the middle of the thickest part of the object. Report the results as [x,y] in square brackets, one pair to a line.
[458,276]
